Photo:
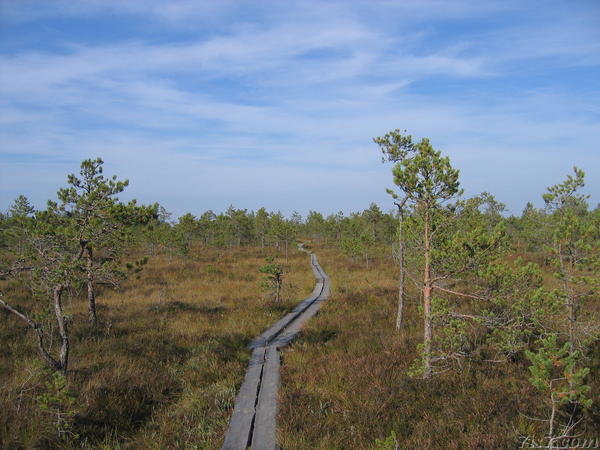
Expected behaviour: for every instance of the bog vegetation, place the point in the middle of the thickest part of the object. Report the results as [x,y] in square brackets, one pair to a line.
[450,323]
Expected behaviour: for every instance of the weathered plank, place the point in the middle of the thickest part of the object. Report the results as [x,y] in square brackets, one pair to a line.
[241,422]
[264,436]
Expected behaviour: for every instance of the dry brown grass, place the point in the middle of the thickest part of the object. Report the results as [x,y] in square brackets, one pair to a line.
[166,371]
[345,383]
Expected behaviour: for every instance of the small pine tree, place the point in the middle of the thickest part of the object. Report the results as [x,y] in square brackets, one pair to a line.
[59,403]
[575,248]
[554,374]
[274,279]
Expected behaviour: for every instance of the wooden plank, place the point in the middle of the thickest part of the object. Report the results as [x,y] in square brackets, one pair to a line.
[241,422]
[264,436]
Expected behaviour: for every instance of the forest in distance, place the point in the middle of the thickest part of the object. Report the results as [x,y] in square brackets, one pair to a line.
[451,324]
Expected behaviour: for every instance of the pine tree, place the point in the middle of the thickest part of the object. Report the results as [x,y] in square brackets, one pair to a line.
[274,272]
[428,180]
[89,202]
[54,262]
[575,247]
[261,225]
[396,146]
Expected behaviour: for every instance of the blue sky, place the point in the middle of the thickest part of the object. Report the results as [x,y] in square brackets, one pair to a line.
[202,104]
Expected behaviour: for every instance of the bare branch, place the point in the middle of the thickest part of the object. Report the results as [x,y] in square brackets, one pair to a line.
[460,294]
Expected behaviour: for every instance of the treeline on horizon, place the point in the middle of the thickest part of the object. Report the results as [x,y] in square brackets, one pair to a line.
[152,226]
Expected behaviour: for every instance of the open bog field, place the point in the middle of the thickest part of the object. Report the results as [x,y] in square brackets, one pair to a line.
[164,367]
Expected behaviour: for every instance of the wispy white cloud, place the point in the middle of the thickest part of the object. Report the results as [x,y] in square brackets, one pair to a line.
[245,111]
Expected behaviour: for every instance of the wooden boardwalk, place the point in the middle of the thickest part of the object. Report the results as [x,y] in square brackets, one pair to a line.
[254,420]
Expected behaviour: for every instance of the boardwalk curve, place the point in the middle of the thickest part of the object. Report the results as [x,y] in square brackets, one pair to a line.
[254,420]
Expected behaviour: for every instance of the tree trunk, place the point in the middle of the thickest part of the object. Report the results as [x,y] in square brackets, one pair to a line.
[63,357]
[91,295]
[277,290]
[552,419]
[41,346]
[571,305]
[286,251]
[427,288]
[401,271]
[569,297]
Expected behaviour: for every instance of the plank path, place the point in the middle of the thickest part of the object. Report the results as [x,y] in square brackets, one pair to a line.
[254,420]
